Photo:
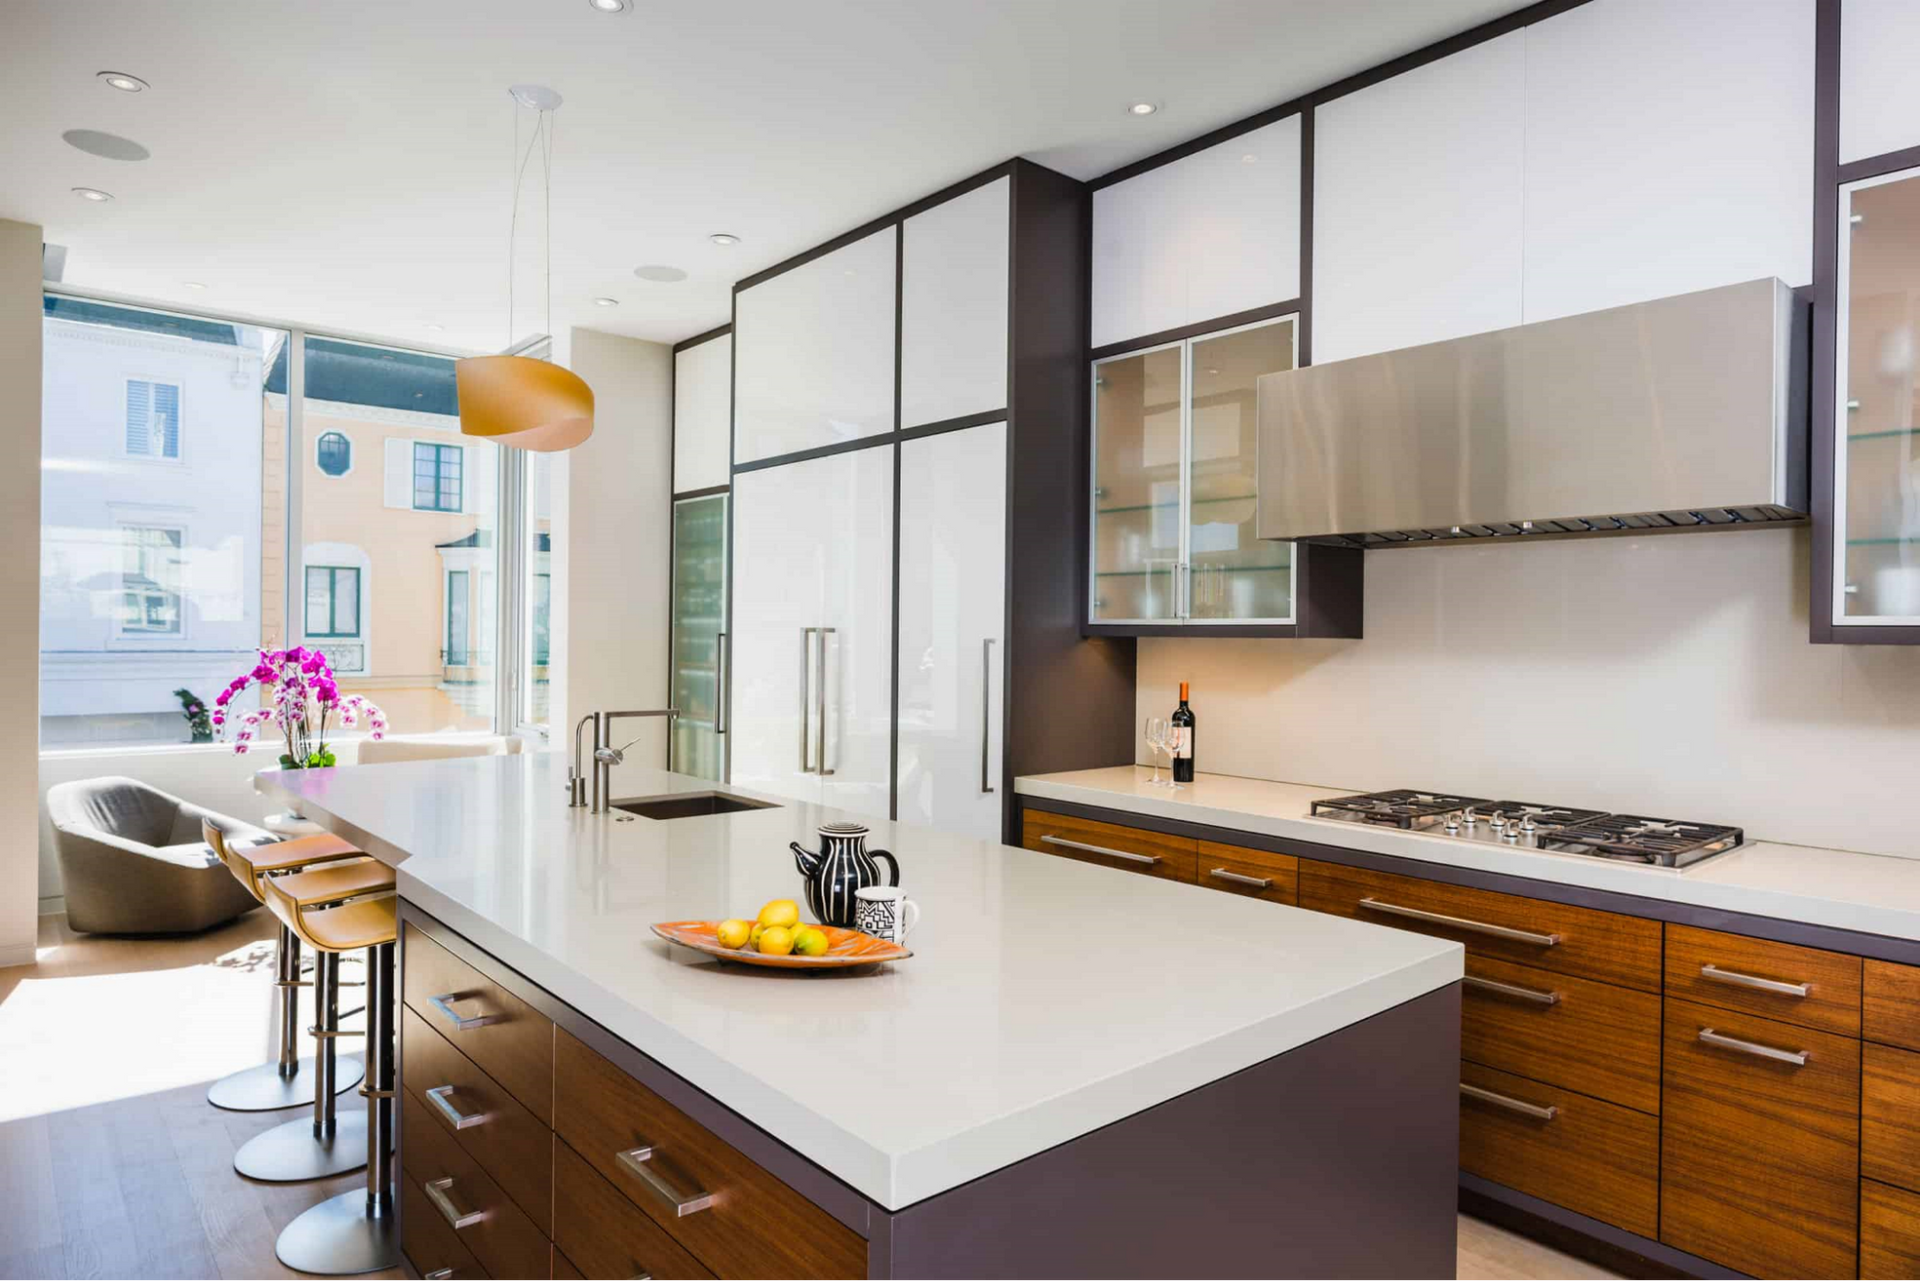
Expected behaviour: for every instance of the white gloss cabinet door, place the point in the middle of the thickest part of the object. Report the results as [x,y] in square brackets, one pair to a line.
[855,494]
[953,307]
[1417,204]
[953,600]
[1879,92]
[1668,149]
[813,352]
[1211,234]
[702,403]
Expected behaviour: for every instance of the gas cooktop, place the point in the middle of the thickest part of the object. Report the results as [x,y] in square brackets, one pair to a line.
[1522,824]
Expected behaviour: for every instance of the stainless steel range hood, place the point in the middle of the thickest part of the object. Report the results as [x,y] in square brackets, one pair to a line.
[1684,413]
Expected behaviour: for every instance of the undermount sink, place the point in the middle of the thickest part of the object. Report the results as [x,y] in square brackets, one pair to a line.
[689,805]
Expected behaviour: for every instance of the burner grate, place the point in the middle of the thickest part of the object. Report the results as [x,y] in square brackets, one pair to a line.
[1654,840]
[1402,807]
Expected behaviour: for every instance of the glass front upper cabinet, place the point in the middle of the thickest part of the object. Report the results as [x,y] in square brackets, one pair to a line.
[1176,449]
[1877,458]
[698,743]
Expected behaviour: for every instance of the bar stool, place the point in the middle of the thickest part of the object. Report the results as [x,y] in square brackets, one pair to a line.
[355,1231]
[327,1144]
[269,1087]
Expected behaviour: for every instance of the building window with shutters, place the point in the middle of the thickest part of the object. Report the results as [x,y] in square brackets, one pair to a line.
[333,453]
[153,419]
[333,602]
[437,478]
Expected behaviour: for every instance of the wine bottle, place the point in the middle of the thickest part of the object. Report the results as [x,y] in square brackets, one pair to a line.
[1183,739]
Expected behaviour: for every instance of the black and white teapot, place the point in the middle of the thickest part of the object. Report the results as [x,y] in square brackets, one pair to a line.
[842,867]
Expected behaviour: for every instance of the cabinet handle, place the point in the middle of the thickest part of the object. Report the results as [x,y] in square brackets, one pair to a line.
[455,1117]
[1715,974]
[436,1190]
[1538,996]
[1797,1058]
[806,677]
[1257,882]
[1462,923]
[637,1162]
[820,698]
[986,716]
[1147,859]
[720,713]
[444,1004]
[1511,1104]
[438,1274]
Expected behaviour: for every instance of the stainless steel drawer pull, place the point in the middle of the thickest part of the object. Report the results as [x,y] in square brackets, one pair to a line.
[1718,975]
[461,1023]
[436,1190]
[1147,859]
[1538,996]
[1796,1057]
[638,1163]
[438,1274]
[1257,882]
[1462,923]
[439,1097]
[1511,1104]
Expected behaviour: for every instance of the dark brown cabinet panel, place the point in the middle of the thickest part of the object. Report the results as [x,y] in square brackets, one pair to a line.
[1889,1231]
[500,1235]
[430,1245]
[1239,869]
[755,1225]
[1584,942]
[1890,1008]
[1592,1037]
[1890,1116]
[1131,849]
[1593,1157]
[1802,985]
[507,1037]
[1759,1153]
[611,1237]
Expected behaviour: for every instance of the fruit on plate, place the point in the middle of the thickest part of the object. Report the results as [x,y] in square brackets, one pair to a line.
[783,912]
[777,941]
[753,937]
[809,941]
[734,933]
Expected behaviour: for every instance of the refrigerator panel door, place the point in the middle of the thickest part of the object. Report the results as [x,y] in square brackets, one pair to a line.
[855,505]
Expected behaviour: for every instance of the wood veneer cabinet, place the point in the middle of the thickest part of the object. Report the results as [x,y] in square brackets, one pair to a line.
[1130,849]
[1803,985]
[1596,1038]
[1890,1004]
[1239,869]
[1889,1231]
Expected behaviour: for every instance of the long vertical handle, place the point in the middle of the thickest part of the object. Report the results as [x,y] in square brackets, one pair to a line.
[806,675]
[986,715]
[820,699]
[720,713]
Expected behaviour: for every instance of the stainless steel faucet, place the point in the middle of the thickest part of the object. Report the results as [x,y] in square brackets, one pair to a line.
[605,757]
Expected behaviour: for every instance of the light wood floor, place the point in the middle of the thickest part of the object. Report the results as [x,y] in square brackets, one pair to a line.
[112,1163]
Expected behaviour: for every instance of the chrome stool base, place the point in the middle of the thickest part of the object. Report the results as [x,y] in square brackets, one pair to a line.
[342,1236]
[290,1154]
[263,1089]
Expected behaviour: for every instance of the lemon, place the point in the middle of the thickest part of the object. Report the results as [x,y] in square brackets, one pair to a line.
[777,941]
[734,933]
[810,942]
[783,912]
[753,935]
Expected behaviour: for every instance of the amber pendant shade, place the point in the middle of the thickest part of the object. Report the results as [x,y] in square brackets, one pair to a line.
[523,403]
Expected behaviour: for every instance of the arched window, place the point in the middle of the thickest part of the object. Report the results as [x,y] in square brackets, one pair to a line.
[334,453]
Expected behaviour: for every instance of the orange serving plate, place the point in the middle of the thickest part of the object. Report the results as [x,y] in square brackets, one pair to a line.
[845,948]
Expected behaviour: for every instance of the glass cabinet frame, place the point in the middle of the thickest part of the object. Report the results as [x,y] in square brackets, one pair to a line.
[1180,577]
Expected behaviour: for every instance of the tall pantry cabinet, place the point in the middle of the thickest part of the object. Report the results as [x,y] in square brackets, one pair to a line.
[908,410]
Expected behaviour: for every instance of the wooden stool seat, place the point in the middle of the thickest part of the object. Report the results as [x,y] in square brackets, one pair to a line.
[299,898]
[251,865]
[367,922]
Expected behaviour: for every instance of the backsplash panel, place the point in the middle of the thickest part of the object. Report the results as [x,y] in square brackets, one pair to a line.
[1668,675]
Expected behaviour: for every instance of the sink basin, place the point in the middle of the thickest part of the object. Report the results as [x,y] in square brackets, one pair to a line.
[689,805]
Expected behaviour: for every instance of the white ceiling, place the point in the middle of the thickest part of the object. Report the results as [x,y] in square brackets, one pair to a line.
[346,163]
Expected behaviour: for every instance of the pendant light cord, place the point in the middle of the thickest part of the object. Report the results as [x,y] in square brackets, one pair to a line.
[541,125]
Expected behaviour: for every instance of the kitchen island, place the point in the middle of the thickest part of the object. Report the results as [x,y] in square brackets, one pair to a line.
[1078,1072]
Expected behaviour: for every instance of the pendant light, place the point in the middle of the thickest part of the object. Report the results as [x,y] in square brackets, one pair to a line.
[514,400]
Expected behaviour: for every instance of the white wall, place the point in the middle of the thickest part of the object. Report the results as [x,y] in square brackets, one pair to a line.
[1668,675]
[614,526]
[19,584]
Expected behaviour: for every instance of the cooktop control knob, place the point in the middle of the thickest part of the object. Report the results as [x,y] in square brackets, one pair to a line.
[1469,818]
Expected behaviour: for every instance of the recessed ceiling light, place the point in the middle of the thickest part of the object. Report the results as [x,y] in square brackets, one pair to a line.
[1143,108]
[606,302]
[660,274]
[93,193]
[724,238]
[436,329]
[609,6]
[192,284]
[121,80]
[1249,158]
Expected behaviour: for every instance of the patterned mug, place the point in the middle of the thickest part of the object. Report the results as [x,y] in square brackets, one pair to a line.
[885,912]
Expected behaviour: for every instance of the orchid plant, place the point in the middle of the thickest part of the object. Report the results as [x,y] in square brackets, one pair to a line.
[304,696]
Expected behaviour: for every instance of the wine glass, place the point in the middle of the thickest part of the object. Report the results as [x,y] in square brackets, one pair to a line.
[1156,730]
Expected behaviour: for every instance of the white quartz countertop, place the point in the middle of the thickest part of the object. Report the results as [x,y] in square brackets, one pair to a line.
[1045,998]
[1870,893]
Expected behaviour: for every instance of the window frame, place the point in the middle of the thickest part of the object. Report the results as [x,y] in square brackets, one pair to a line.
[333,573]
[319,444]
[441,452]
[125,527]
[446,618]
[179,455]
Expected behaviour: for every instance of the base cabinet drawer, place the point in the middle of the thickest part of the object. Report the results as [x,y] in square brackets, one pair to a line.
[1890,1116]
[1585,942]
[430,1245]
[1595,1038]
[1889,1231]
[750,1223]
[509,1039]
[1596,1158]
[466,1201]
[1802,985]
[604,1234]
[1239,869]
[563,1269]
[1760,1143]
[1890,1004]
[1130,849]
